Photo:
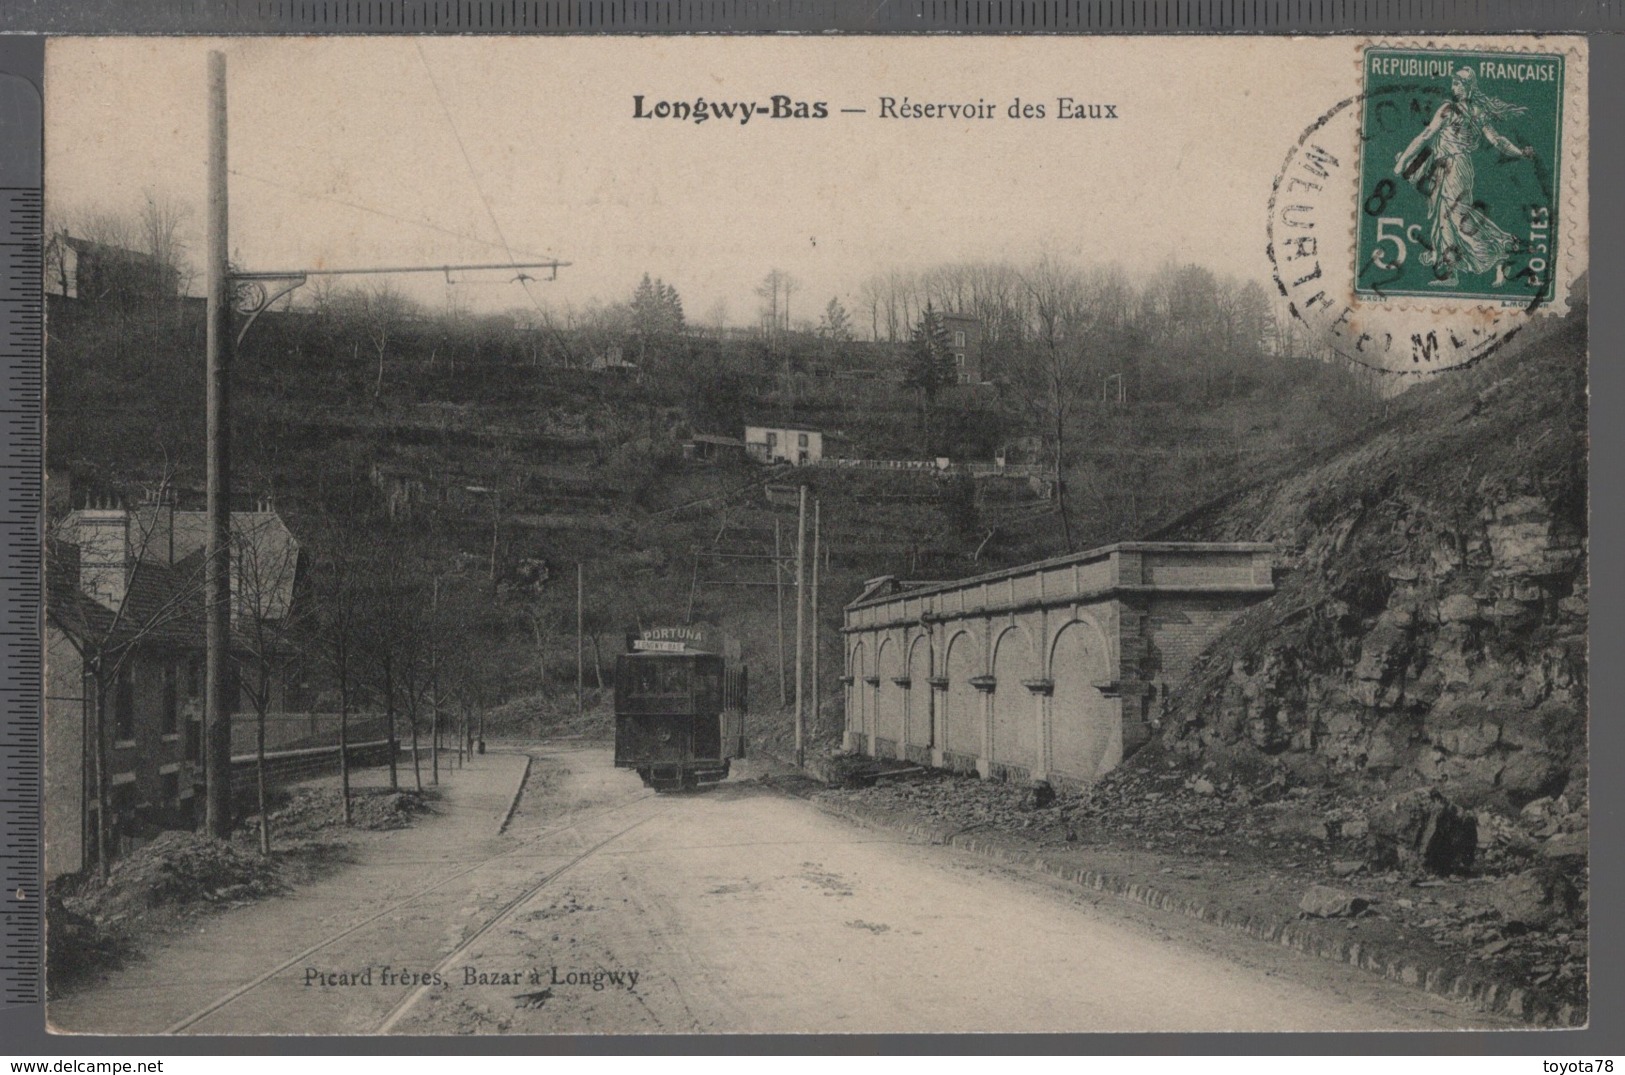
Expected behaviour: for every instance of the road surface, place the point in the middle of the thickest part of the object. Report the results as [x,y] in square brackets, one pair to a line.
[604,908]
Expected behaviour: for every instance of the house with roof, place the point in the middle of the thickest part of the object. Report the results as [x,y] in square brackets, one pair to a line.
[123,689]
[124,659]
[102,272]
[797,445]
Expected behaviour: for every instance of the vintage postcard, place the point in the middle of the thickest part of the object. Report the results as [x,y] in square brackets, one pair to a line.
[699,535]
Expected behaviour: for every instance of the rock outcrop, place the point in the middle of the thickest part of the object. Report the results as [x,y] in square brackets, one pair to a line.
[1429,628]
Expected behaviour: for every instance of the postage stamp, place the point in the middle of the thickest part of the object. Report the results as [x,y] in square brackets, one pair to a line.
[1459,169]
[1426,217]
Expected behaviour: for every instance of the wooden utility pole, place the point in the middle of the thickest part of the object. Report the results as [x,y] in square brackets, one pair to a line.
[801,617]
[217,542]
[496,521]
[434,684]
[693,588]
[778,595]
[580,630]
[817,692]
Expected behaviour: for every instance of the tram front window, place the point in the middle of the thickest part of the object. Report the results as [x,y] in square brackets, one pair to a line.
[708,687]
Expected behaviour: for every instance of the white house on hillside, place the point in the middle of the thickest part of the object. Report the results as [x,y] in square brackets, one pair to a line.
[784,444]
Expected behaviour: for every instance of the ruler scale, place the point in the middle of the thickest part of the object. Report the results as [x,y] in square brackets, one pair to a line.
[21,472]
[813,16]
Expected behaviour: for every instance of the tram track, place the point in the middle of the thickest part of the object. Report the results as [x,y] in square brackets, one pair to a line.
[397,1013]
[525,849]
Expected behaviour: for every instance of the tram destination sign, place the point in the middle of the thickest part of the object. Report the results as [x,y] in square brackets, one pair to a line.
[669,640]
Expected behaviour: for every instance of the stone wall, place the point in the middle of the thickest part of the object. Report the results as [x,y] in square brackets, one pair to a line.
[1048,671]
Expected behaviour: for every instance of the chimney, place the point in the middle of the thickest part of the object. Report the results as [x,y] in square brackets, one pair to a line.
[103,537]
[154,538]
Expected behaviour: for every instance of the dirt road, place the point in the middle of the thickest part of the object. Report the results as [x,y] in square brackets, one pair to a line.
[604,908]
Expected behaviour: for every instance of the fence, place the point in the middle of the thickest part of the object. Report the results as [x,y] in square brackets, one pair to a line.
[296,731]
[289,766]
[931,466]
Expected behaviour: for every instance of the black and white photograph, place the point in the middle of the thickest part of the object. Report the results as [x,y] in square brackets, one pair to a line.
[816,535]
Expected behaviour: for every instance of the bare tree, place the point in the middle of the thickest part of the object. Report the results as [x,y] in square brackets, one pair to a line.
[716,317]
[1052,377]
[159,224]
[265,564]
[775,291]
[378,313]
[335,626]
[109,631]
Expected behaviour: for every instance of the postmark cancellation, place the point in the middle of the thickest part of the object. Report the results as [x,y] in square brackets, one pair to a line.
[1424,220]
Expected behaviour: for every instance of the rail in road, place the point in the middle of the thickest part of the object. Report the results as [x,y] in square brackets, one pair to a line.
[736,911]
[195,1022]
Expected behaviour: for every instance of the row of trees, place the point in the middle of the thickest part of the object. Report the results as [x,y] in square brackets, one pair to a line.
[1066,345]
[1176,304]
[374,618]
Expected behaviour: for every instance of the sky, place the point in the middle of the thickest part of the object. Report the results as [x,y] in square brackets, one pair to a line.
[481,149]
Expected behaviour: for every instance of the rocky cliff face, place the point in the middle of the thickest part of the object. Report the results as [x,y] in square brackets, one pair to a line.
[1429,631]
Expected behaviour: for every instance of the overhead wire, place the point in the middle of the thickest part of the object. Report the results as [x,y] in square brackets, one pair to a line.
[474,175]
[291,189]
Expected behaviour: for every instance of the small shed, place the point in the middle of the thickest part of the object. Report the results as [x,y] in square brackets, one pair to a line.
[709,448]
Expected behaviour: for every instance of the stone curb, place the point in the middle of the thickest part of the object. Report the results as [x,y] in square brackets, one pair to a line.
[518,792]
[1486,994]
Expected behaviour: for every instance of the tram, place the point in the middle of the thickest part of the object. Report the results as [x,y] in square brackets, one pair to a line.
[679,710]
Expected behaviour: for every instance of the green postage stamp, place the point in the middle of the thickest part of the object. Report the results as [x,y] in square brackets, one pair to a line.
[1459,186]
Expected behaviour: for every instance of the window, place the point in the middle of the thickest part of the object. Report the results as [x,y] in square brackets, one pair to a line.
[959,338]
[124,705]
[708,687]
[172,701]
[123,820]
[772,439]
[959,360]
[169,789]
[964,378]
[194,678]
[801,440]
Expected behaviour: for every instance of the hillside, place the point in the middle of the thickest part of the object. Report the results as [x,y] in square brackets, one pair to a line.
[1430,624]
[1418,683]
[465,446]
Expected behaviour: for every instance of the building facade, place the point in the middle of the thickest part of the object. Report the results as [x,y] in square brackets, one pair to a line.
[965,345]
[130,673]
[100,272]
[797,446]
[1050,671]
[124,656]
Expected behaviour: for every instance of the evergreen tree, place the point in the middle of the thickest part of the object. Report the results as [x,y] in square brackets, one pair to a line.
[656,308]
[656,312]
[836,324]
[671,308]
[930,364]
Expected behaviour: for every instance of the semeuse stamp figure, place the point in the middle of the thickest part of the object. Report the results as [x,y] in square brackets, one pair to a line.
[1462,237]
[1439,216]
